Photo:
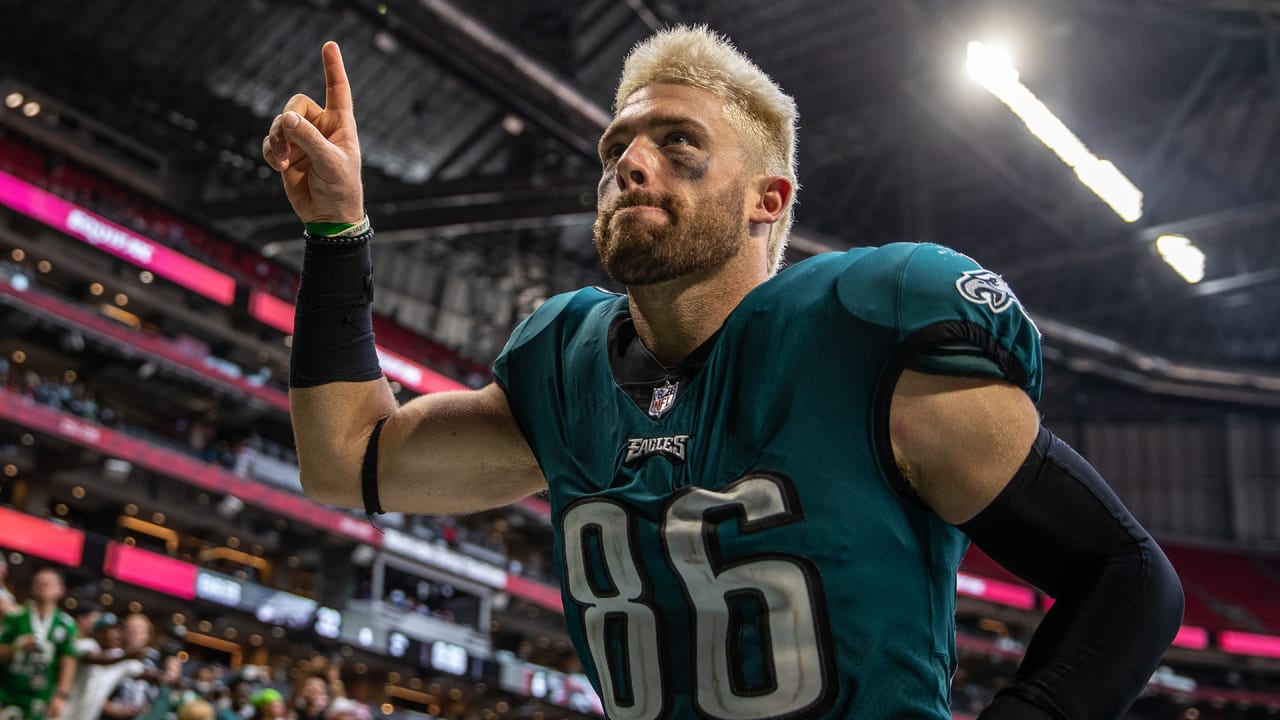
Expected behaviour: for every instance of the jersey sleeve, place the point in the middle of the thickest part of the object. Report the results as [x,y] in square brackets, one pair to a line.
[528,329]
[950,315]
[69,646]
[9,629]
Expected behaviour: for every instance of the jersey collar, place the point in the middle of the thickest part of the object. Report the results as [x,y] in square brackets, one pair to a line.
[638,372]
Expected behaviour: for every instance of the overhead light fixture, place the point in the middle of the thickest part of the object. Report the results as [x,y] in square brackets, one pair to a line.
[31,108]
[1183,256]
[386,42]
[13,100]
[992,68]
[513,124]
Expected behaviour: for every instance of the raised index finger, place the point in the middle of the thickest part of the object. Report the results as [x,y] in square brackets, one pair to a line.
[337,91]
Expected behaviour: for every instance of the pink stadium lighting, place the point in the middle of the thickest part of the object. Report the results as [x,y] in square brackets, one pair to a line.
[1191,637]
[1243,643]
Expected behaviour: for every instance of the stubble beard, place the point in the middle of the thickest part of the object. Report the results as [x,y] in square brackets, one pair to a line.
[638,252]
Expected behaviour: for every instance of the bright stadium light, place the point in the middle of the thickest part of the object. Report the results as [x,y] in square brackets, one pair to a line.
[1183,256]
[992,68]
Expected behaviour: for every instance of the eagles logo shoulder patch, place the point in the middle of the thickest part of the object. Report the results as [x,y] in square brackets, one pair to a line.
[983,287]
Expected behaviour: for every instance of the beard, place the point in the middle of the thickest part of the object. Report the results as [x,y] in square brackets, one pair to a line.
[641,251]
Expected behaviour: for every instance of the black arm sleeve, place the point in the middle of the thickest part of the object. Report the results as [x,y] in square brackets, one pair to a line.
[333,320]
[1118,601]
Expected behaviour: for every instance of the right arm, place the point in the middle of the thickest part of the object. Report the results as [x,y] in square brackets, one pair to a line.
[451,452]
[445,453]
[11,642]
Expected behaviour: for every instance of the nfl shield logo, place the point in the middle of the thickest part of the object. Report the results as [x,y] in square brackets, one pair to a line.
[663,398]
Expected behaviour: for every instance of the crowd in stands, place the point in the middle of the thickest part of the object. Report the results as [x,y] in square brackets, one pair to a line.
[199,438]
[81,663]
[192,436]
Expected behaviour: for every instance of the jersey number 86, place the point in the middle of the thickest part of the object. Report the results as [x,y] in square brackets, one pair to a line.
[774,598]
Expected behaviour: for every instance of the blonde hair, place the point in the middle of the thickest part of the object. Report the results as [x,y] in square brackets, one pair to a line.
[699,57]
[196,710]
[146,621]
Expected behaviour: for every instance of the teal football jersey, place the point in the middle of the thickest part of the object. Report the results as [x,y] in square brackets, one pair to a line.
[739,551]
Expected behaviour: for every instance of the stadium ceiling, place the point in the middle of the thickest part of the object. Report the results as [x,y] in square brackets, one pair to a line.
[478,121]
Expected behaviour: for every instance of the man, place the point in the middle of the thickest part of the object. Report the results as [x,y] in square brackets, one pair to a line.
[136,689]
[38,650]
[90,653]
[311,697]
[269,704]
[238,705]
[103,665]
[761,485]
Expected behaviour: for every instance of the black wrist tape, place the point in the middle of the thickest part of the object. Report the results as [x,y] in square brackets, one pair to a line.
[333,320]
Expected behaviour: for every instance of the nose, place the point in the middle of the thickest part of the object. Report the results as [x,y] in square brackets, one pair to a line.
[635,167]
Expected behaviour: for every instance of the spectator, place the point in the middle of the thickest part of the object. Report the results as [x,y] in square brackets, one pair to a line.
[341,709]
[38,650]
[268,704]
[102,672]
[7,602]
[196,710]
[311,698]
[207,681]
[239,702]
[134,693]
[87,617]
[169,689]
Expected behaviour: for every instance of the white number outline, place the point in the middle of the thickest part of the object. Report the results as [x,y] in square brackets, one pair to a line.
[647,707]
[787,511]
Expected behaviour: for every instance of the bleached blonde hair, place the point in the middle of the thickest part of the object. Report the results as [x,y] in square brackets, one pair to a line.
[765,115]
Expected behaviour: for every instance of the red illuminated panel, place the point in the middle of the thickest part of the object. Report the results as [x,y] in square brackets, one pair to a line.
[1249,644]
[414,376]
[535,592]
[112,238]
[151,570]
[537,506]
[1189,636]
[41,538]
[271,311]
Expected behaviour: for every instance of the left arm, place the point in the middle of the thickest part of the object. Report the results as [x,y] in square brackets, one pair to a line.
[974,452]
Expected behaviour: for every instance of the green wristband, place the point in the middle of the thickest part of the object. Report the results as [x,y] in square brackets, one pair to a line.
[326,229]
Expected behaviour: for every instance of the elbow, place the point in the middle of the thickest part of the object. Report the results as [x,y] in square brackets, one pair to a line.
[324,487]
[1168,600]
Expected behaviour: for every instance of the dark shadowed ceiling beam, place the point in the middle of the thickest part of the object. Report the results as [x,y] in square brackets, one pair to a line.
[451,38]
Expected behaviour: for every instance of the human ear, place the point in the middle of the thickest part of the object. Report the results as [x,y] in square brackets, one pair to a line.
[772,194]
